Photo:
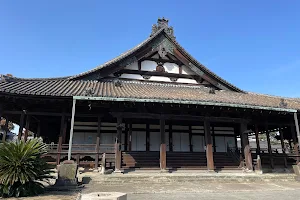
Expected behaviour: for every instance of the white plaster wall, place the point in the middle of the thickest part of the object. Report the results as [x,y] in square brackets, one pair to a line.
[157,78]
[148,65]
[160,78]
[171,68]
[186,80]
[132,76]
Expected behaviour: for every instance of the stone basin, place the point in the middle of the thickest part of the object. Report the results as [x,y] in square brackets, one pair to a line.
[104,196]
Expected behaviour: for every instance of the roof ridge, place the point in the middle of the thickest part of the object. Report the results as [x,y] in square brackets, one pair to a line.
[9,78]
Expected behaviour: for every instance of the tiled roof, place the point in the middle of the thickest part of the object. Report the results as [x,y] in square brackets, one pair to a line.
[141,90]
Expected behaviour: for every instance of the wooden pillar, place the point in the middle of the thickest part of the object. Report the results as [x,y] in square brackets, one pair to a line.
[209,147]
[27,126]
[295,143]
[60,138]
[269,147]
[118,155]
[5,129]
[257,140]
[298,136]
[1,115]
[72,129]
[65,132]
[163,147]
[98,143]
[246,146]
[283,147]
[126,138]
[21,125]
[130,137]
[59,147]
[1,110]
[147,137]
[170,138]
[297,126]
[190,139]
[38,131]
[213,138]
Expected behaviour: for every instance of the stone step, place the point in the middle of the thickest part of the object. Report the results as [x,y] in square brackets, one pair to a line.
[209,177]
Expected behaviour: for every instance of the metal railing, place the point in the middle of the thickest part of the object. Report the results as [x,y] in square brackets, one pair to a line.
[80,151]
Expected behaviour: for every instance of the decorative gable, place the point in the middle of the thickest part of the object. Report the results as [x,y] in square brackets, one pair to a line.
[158,59]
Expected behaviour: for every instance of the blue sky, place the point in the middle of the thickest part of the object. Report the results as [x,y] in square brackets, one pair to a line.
[254,44]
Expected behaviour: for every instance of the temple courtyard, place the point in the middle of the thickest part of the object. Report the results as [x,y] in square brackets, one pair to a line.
[185,185]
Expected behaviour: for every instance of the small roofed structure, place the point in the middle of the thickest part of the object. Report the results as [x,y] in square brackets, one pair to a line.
[154,106]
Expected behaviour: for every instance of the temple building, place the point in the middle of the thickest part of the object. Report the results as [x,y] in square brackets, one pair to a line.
[152,107]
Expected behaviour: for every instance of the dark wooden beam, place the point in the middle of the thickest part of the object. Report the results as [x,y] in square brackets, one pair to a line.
[158,60]
[155,73]
[139,65]
[209,149]
[175,117]
[180,70]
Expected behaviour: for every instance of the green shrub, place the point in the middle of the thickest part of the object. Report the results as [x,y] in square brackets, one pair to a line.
[21,168]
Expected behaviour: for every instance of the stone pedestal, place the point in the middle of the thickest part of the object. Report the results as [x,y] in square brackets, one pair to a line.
[67,174]
[104,196]
[296,169]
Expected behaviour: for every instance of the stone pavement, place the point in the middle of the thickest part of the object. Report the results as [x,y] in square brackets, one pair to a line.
[282,187]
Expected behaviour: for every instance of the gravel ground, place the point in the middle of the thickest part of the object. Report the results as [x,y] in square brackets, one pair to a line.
[51,196]
[274,187]
[209,191]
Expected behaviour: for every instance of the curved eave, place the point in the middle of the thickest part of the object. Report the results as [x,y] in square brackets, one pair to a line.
[203,103]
